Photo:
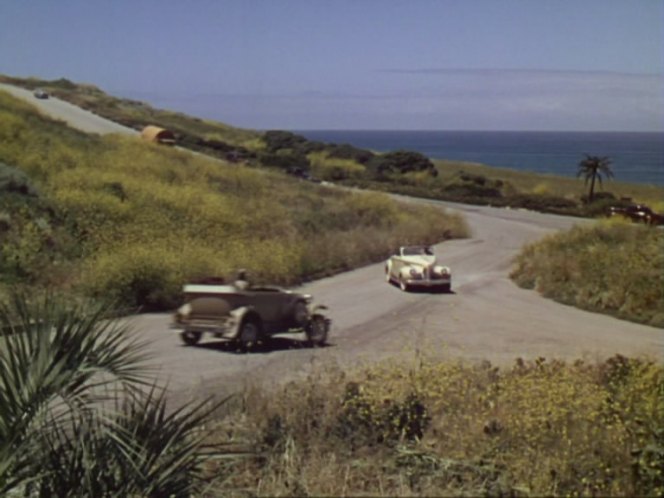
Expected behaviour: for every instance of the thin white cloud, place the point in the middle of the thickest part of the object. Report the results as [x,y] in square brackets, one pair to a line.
[506,71]
[454,99]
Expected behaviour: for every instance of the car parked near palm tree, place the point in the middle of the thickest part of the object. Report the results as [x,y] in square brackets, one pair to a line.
[637,212]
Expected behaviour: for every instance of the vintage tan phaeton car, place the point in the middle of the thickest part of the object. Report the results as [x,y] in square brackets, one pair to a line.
[247,316]
[416,266]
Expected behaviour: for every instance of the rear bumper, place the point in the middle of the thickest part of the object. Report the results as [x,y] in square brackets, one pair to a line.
[226,330]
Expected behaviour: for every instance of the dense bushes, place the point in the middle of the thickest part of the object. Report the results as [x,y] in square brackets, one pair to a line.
[545,203]
[400,162]
[426,428]
[615,268]
[33,235]
[276,140]
[327,167]
[346,151]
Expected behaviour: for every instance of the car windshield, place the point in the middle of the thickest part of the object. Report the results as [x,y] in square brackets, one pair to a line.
[417,251]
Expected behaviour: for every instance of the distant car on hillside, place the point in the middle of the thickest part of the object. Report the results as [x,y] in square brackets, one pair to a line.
[40,93]
[639,213]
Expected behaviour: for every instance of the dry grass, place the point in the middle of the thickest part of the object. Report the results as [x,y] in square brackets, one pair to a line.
[440,429]
[559,186]
[147,218]
[613,267]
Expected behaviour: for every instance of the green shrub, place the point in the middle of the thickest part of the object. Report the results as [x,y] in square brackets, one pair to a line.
[346,151]
[334,169]
[276,140]
[471,190]
[400,162]
[543,203]
[15,181]
[613,267]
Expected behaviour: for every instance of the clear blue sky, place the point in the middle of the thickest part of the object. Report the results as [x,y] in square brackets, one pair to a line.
[357,64]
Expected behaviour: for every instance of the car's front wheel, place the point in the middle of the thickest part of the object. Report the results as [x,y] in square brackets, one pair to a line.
[191,337]
[317,331]
[403,285]
[300,314]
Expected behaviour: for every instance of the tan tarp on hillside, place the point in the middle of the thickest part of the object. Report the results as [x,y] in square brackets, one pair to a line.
[158,135]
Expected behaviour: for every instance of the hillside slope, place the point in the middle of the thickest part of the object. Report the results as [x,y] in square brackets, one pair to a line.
[132,221]
[402,172]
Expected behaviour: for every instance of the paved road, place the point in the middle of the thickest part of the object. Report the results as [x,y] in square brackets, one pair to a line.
[70,114]
[486,317]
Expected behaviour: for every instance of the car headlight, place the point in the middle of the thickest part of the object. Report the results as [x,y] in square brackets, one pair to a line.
[414,272]
[441,270]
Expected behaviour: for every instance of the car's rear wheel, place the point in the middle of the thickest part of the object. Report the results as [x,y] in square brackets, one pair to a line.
[191,337]
[250,334]
[317,331]
[388,278]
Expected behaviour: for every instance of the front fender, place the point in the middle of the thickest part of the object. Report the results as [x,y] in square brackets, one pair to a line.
[405,271]
[237,316]
[316,309]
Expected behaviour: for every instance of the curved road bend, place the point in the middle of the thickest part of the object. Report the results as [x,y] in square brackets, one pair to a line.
[485,317]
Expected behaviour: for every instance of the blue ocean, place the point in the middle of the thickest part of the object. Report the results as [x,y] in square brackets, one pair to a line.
[635,157]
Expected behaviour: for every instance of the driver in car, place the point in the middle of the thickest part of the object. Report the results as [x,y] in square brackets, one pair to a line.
[241,282]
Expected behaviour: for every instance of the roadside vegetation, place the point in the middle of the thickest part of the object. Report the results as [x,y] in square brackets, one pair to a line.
[80,416]
[411,173]
[79,413]
[540,428]
[118,218]
[614,267]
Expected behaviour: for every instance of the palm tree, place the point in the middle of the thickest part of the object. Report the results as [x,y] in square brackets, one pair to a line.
[76,418]
[592,168]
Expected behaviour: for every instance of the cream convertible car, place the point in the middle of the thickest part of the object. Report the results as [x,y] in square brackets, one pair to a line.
[415,266]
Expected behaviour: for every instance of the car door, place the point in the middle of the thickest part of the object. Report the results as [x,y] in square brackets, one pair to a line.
[272,305]
[397,264]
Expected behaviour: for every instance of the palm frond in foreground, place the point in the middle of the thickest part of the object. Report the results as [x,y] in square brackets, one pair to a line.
[60,365]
